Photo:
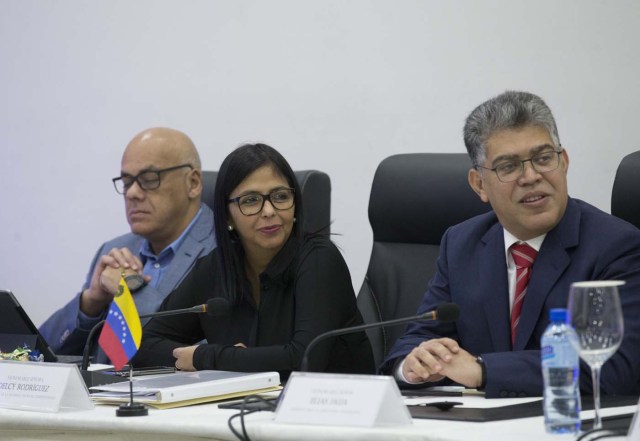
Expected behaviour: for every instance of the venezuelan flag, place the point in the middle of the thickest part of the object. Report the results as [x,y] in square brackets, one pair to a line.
[122,332]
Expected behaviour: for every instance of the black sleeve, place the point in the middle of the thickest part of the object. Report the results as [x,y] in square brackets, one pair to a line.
[325,301]
[163,334]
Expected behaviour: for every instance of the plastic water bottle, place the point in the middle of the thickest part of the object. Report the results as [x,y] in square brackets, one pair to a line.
[560,371]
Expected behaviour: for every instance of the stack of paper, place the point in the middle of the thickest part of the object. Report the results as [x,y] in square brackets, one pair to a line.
[184,388]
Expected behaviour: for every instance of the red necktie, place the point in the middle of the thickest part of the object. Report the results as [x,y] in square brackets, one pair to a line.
[523,256]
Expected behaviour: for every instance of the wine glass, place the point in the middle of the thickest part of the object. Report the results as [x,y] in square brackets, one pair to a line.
[596,315]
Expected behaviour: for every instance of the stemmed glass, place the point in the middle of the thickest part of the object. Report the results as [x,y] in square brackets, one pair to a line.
[596,315]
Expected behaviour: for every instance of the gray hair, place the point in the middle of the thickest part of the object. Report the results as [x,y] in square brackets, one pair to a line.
[510,110]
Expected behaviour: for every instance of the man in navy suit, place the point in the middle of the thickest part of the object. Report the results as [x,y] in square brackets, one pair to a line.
[161,180]
[520,168]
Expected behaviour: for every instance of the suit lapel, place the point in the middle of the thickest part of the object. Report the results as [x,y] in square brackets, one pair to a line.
[190,249]
[553,259]
[494,288]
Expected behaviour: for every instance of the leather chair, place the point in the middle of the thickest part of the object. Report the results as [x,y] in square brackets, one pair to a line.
[625,196]
[414,199]
[316,197]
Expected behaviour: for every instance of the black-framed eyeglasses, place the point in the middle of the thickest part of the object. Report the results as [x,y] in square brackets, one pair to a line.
[146,179]
[252,203]
[512,169]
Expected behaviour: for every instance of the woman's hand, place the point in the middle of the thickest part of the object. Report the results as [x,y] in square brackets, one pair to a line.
[184,358]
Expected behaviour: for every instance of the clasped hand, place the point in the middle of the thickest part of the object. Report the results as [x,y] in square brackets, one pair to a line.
[106,277]
[436,359]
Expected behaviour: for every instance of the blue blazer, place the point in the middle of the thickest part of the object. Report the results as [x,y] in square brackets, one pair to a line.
[587,244]
[62,330]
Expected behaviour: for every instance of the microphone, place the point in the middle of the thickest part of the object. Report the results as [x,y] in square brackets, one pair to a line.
[95,378]
[215,307]
[445,312]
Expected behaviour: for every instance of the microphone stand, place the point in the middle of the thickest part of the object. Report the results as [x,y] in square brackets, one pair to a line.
[304,366]
[445,312]
[89,344]
[95,378]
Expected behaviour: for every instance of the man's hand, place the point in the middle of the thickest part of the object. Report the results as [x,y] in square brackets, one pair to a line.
[426,361]
[464,369]
[105,279]
[436,359]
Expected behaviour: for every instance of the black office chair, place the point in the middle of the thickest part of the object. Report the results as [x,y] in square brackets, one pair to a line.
[414,199]
[316,197]
[625,196]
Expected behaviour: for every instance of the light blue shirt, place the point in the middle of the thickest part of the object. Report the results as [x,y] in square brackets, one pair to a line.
[156,265]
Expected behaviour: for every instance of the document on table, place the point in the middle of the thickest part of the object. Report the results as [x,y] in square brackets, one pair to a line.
[477,401]
[185,388]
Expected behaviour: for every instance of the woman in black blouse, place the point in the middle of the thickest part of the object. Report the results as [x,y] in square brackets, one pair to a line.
[285,286]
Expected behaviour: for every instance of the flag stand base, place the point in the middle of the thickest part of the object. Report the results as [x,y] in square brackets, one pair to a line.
[132,409]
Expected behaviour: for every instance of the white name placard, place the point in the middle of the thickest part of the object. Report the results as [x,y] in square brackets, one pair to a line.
[44,387]
[342,400]
[634,429]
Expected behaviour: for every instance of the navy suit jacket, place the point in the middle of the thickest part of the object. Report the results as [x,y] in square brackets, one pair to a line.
[587,244]
[62,330]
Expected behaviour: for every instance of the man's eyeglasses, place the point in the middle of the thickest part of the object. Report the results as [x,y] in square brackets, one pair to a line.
[146,179]
[511,170]
[252,203]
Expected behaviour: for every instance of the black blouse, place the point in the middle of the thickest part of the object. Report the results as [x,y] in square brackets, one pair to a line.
[306,290]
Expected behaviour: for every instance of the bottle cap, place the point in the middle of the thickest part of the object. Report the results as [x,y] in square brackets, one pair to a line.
[558,315]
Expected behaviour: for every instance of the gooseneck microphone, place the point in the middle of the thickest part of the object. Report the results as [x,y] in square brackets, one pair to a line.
[88,346]
[445,312]
[215,307]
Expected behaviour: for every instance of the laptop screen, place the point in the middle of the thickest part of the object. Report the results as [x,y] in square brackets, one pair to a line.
[17,329]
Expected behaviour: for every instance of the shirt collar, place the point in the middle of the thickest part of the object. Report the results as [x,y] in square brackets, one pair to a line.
[510,239]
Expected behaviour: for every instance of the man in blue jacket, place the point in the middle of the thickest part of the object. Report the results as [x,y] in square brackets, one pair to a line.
[161,181]
[506,269]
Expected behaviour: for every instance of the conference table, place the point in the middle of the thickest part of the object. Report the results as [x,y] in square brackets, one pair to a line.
[208,422]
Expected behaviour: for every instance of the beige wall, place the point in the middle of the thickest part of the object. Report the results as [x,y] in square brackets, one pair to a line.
[334,85]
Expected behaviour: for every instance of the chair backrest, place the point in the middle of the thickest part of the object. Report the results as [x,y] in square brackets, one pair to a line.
[625,196]
[414,199]
[316,197]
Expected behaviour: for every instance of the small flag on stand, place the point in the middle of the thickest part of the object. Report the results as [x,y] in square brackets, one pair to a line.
[122,332]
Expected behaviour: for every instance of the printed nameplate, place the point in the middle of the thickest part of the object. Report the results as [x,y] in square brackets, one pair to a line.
[44,387]
[342,400]
[634,429]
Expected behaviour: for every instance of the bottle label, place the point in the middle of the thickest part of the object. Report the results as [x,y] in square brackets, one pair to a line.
[547,352]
